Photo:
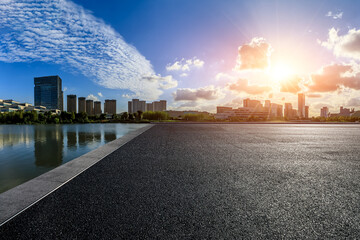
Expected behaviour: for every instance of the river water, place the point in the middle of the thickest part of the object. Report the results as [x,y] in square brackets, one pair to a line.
[27,151]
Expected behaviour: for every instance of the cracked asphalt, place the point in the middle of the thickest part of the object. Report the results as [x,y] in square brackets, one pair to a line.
[210,181]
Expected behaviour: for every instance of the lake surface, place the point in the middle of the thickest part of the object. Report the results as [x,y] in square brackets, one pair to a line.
[27,151]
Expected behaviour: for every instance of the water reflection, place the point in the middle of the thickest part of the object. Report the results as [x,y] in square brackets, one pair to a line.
[27,151]
[49,145]
[72,140]
[109,136]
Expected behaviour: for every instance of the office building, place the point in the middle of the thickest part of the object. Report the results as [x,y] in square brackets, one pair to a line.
[251,103]
[71,103]
[275,110]
[306,112]
[346,112]
[90,107]
[81,104]
[301,105]
[220,109]
[159,106]
[137,105]
[48,92]
[97,108]
[142,106]
[267,103]
[289,112]
[110,106]
[324,112]
[13,106]
[130,106]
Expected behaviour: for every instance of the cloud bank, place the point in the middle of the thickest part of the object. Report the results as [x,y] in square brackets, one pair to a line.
[92,97]
[334,15]
[347,45]
[62,32]
[205,93]
[242,85]
[254,55]
[185,65]
[334,77]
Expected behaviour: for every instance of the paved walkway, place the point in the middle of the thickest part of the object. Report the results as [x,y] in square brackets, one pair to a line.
[194,181]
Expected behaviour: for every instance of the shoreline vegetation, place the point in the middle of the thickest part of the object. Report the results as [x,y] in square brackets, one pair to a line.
[20,117]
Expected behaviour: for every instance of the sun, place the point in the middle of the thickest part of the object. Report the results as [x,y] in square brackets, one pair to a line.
[280,71]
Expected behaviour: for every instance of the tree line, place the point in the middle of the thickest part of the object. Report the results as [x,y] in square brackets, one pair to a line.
[33,117]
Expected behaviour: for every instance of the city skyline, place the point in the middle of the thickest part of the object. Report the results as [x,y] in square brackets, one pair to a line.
[194,59]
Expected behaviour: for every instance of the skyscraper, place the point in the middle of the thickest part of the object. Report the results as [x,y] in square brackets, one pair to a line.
[130,106]
[306,112]
[110,106]
[71,103]
[90,107]
[82,105]
[97,108]
[301,105]
[135,105]
[324,112]
[149,107]
[48,92]
[288,110]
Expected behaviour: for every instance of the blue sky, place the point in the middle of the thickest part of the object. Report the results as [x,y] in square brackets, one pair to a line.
[186,52]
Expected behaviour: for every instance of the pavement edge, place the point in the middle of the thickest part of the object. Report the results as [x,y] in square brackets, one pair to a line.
[18,199]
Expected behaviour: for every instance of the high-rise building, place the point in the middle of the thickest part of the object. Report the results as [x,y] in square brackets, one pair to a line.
[267,103]
[97,108]
[324,112]
[156,106]
[81,104]
[301,105]
[163,105]
[306,112]
[275,110]
[71,103]
[137,105]
[149,107]
[142,106]
[288,110]
[90,107]
[251,103]
[110,106]
[130,107]
[48,92]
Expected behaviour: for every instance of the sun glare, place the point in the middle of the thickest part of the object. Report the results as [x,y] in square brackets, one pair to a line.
[281,71]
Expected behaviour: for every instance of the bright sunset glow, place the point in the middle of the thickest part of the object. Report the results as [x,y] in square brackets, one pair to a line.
[203,59]
[281,71]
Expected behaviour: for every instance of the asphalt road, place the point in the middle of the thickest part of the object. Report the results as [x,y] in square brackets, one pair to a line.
[210,181]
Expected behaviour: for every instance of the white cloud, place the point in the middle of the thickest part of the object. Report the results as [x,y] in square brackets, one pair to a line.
[166,82]
[65,89]
[92,97]
[204,93]
[254,55]
[62,32]
[100,94]
[184,75]
[347,45]
[335,15]
[185,65]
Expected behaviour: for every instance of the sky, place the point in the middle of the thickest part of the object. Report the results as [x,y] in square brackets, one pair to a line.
[195,54]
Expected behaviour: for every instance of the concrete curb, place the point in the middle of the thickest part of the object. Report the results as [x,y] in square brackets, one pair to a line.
[20,198]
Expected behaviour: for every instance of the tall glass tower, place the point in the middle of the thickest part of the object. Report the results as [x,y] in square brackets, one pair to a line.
[48,92]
